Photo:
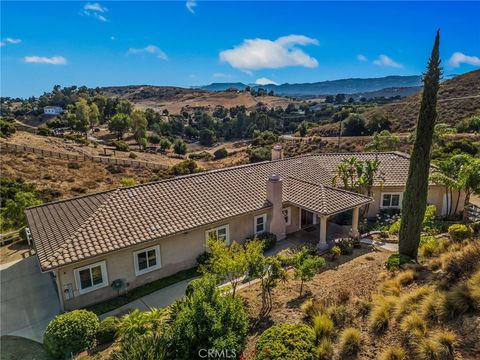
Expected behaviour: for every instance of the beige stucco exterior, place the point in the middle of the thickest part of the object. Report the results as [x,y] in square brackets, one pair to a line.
[179,252]
[435,197]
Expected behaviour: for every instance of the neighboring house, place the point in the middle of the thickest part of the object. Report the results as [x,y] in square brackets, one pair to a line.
[141,233]
[52,110]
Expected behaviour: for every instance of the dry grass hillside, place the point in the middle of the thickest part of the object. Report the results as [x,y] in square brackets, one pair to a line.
[174,98]
[458,98]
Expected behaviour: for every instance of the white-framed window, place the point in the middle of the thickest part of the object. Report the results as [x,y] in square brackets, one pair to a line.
[287,214]
[260,224]
[221,233]
[91,277]
[391,201]
[147,260]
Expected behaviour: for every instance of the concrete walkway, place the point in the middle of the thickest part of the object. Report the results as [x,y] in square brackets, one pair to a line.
[158,299]
[393,247]
[28,299]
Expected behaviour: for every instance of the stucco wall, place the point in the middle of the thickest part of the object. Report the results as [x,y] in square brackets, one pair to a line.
[176,253]
[435,197]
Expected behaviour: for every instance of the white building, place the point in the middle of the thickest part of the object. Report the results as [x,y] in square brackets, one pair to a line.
[52,110]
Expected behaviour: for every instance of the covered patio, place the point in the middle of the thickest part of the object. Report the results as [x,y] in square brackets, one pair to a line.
[318,204]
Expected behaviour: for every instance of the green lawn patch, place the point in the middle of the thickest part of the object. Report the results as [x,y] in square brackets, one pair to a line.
[134,294]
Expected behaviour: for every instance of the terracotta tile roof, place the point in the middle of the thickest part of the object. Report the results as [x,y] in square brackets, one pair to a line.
[72,230]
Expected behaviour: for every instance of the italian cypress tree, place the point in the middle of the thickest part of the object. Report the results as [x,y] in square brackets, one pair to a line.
[415,196]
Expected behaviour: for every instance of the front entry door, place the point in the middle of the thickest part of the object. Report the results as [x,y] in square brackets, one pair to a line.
[307,218]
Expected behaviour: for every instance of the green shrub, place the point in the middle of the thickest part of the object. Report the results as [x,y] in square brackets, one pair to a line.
[125,182]
[121,145]
[107,330]
[70,333]
[286,341]
[179,147]
[269,240]
[396,260]
[132,155]
[322,325]
[184,167]
[220,153]
[154,139]
[393,353]
[345,245]
[324,350]
[202,155]
[259,154]
[429,246]
[350,341]
[460,232]
[7,127]
[286,257]
[44,131]
[335,251]
[394,229]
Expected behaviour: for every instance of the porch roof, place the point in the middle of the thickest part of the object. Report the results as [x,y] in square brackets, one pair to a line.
[321,199]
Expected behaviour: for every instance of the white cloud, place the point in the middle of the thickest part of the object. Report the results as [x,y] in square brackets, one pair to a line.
[54,60]
[361,57]
[221,75]
[95,10]
[95,7]
[459,58]
[150,49]
[255,54]
[190,5]
[265,81]
[384,60]
[10,41]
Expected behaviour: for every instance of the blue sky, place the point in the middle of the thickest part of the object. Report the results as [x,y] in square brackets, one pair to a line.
[198,42]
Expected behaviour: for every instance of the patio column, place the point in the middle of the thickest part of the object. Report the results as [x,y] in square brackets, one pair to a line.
[322,243]
[356,212]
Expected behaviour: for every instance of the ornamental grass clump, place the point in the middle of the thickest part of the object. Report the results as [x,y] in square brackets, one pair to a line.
[349,341]
[324,350]
[429,306]
[457,301]
[322,325]
[393,353]
[410,301]
[413,325]
[381,313]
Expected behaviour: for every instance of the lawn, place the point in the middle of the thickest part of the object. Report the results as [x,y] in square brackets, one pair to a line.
[17,348]
[112,304]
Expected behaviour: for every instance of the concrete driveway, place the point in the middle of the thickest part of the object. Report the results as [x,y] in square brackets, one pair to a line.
[28,299]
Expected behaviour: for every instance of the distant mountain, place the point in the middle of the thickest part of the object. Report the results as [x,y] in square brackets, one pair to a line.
[390,92]
[223,86]
[345,86]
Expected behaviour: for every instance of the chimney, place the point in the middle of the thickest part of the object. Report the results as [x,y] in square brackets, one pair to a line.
[277,152]
[274,195]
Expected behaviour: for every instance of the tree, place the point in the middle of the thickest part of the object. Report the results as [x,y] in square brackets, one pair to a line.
[82,116]
[383,141]
[268,269]
[378,121]
[306,266]
[207,320]
[94,115]
[415,195]
[14,211]
[119,124]
[139,124]
[124,107]
[185,167]
[329,99]
[354,125]
[339,98]
[179,147]
[469,180]
[206,137]
[302,129]
[220,153]
[226,262]
[165,144]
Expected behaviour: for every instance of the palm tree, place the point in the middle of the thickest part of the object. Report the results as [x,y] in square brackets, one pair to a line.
[347,172]
[469,180]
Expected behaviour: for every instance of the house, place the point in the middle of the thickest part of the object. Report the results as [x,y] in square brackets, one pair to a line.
[141,233]
[52,110]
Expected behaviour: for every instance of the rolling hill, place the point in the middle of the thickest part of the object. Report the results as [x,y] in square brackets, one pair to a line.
[458,98]
[174,98]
